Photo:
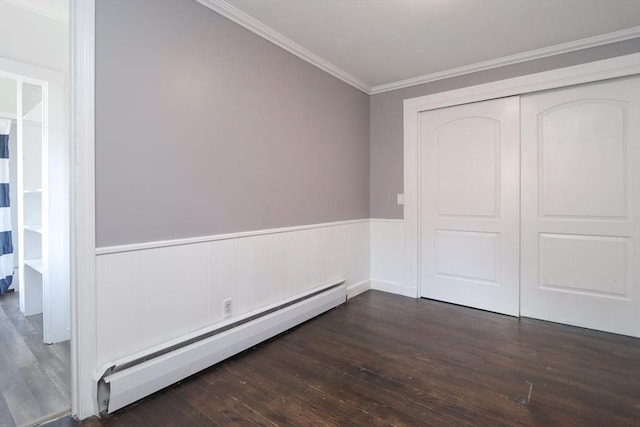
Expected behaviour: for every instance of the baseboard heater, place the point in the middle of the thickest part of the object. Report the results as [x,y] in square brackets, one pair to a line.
[128,380]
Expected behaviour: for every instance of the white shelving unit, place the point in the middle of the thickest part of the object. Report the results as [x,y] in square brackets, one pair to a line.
[42,175]
[31,159]
[34,264]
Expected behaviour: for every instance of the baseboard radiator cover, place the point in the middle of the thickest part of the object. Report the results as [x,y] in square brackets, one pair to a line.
[127,381]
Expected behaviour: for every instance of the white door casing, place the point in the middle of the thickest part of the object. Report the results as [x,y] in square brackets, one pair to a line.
[581,205]
[470,205]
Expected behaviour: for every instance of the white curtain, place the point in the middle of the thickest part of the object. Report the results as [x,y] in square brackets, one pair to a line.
[6,244]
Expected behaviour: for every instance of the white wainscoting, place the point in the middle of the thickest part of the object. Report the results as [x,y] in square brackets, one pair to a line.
[152,293]
[387,257]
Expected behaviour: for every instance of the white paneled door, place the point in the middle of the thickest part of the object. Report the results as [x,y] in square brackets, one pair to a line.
[469,192]
[581,206]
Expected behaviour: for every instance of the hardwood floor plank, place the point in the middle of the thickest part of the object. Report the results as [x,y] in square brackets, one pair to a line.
[167,412]
[194,393]
[362,401]
[3,315]
[225,408]
[50,360]
[50,398]
[22,404]
[310,402]
[391,391]
[35,379]
[6,420]
[14,348]
[20,322]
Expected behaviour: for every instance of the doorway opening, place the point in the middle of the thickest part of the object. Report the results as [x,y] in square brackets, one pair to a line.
[35,303]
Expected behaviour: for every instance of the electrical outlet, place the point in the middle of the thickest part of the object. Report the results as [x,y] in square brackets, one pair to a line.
[228,307]
[400,199]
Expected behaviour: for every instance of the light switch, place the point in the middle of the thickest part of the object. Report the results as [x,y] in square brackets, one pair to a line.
[400,199]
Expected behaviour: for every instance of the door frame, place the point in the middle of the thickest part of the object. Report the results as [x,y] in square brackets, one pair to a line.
[82,210]
[584,73]
[52,84]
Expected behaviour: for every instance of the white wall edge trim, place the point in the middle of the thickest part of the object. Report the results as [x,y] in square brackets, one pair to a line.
[358,288]
[584,73]
[617,36]
[239,17]
[227,236]
[393,288]
[82,209]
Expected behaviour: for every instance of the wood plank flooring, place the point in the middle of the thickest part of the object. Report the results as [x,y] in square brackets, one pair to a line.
[383,359]
[35,379]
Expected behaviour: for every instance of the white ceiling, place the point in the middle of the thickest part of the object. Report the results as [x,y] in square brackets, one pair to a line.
[54,9]
[384,41]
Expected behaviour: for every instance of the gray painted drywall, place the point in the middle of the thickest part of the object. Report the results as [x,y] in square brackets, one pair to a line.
[203,128]
[386,117]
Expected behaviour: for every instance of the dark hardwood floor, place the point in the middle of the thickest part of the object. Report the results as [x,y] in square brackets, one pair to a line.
[383,359]
[35,379]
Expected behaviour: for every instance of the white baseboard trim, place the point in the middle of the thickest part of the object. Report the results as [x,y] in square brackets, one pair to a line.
[393,288]
[358,288]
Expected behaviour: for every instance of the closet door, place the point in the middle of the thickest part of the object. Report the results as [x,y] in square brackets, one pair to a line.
[469,205]
[581,206]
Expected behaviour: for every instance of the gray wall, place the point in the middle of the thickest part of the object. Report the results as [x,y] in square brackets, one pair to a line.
[203,128]
[386,118]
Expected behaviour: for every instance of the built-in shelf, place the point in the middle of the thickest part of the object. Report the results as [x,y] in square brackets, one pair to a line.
[30,239]
[34,228]
[35,114]
[35,264]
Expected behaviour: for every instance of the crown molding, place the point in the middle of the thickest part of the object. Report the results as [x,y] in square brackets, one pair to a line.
[617,36]
[239,17]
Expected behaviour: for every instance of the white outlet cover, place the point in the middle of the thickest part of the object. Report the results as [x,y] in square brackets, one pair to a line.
[400,199]
[227,307]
